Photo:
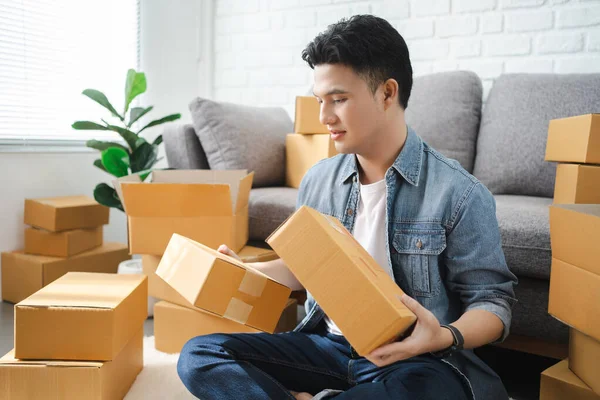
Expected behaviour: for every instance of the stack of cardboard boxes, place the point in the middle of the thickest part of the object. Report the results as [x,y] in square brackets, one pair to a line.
[78,337]
[203,208]
[65,235]
[309,143]
[575,238]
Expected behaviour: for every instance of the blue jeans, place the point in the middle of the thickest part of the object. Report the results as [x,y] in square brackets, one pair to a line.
[268,366]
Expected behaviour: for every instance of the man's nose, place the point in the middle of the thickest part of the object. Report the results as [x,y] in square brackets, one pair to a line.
[326,116]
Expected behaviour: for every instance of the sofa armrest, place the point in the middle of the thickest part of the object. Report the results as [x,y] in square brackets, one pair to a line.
[183,148]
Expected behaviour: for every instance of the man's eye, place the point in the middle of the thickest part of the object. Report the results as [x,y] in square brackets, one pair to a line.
[338,101]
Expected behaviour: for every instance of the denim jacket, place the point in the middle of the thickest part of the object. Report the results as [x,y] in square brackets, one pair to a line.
[458,264]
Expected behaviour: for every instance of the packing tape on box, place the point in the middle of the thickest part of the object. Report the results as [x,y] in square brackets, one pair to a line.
[253,283]
[332,221]
[238,311]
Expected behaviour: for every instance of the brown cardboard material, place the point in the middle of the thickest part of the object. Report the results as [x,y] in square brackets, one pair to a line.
[304,151]
[560,383]
[208,206]
[250,254]
[574,297]
[25,274]
[157,287]
[584,359]
[342,276]
[63,213]
[81,316]
[62,244]
[577,184]
[307,120]
[574,233]
[222,285]
[574,139]
[72,380]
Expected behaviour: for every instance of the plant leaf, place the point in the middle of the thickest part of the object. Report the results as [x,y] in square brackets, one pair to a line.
[144,157]
[98,163]
[88,125]
[136,113]
[116,161]
[107,196]
[98,145]
[134,86]
[101,99]
[168,118]
[130,137]
[158,140]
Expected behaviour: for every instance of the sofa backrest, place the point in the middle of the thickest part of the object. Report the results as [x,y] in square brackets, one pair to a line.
[183,148]
[514,127]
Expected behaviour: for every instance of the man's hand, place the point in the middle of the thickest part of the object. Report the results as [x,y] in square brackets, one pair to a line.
[302,395]
[427,336]
[223,249]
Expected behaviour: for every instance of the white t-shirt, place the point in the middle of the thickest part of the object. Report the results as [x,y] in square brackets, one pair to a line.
[370,229]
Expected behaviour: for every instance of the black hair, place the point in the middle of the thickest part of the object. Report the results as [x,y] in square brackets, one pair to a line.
[370,46]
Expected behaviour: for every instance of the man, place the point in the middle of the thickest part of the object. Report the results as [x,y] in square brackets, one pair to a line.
[424,219]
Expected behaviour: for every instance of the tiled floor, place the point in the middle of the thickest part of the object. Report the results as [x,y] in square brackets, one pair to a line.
[520,372]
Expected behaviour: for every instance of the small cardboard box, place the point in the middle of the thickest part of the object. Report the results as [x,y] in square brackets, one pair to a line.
[304,151]
[222,285]
[574,139]
[307,119]
[157,287]
[81,316]
[63,213]
[342,276]
[62,244]
[210,207]
[250,254]
[25,274]
[584,359]
[577,184]
[72,380]
[574,297]
[560,383]
[575,233]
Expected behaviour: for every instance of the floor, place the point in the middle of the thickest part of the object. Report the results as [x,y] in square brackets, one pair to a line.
[520,372]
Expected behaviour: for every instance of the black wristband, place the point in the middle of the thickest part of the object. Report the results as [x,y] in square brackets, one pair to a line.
[457,342]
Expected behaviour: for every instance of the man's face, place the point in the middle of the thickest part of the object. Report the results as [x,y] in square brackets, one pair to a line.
[352,113]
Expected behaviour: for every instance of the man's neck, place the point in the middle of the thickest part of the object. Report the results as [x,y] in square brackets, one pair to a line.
[373,167]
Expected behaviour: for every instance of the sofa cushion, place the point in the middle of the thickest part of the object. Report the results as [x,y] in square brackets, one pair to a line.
[183,148]
[514,128]
[525,230]
[268,208]
[445,109]
[243,137]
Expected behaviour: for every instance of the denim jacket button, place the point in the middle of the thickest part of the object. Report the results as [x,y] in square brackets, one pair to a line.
[419,244]
[349,211]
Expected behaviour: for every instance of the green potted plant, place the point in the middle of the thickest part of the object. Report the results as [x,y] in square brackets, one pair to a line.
[136,155]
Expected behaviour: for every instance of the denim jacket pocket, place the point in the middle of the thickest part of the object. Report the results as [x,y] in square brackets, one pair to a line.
[418,252]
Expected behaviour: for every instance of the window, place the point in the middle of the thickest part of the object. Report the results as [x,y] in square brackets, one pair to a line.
[50,51]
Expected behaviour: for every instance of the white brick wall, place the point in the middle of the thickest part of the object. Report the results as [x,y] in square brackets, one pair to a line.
[258,43]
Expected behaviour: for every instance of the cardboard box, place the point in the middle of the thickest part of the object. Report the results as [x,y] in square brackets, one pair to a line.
[584,359]
[307,119]
[574,139]
[250,254]
[574,297]
[302,152]
[157,287]
[62,244]
[81,316]
[560,383]
[210,207]
[575,233]
[25,274]
[577,184]
[72,380]
[63,213]
[222,285]
[342,276]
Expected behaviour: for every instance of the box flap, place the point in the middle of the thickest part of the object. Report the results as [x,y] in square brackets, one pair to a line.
[117,185]
[83,289]
[67,201]
[589,209]
[9,359]
[243,195]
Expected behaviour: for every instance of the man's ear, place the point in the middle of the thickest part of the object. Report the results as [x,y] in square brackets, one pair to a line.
[390,93]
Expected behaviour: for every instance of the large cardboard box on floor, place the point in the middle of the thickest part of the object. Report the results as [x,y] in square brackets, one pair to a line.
[222,285]
[61,244]
[584,358]
[210,207]
[560,383]
[307,119]
[575,235]
[81,316]
[24,274]
[574,297]
[304,151]
[63,213]
[577,184]
[342,276]
[72,380]
[574,139]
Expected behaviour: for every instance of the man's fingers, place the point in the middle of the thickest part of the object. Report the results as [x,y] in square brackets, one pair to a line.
[223,249]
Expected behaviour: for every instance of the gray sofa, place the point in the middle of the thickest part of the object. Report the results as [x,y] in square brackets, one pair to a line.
[501,142]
